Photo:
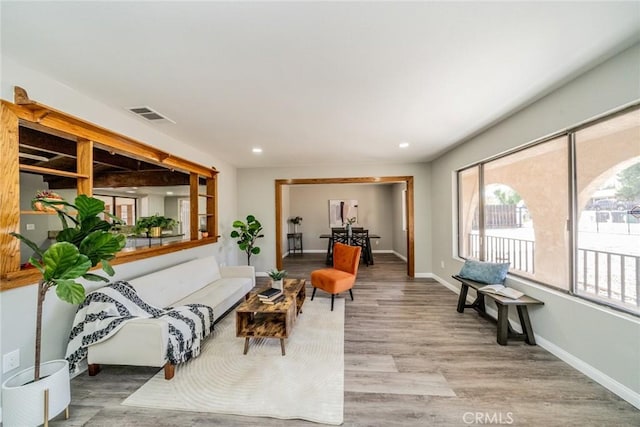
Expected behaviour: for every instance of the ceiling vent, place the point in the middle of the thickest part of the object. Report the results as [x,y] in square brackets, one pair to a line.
[150,114]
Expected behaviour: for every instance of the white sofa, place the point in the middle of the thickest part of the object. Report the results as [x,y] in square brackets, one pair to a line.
[143,342]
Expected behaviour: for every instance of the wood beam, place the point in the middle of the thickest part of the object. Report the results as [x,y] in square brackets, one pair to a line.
[85,166]
[193,211]
[212,206]
[41,141]
[10,194]
[128,179]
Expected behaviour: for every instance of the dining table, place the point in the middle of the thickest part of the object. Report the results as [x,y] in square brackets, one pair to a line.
[364,243]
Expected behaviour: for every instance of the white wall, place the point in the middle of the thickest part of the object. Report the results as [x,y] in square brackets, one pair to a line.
[601,342]
[257,190]
[399,235]
[375,211]
[17,306]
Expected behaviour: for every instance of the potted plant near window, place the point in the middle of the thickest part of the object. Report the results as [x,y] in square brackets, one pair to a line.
[277,278]
[28,396]
[153,225]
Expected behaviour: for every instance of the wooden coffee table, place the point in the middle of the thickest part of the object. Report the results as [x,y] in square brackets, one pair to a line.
[255,319]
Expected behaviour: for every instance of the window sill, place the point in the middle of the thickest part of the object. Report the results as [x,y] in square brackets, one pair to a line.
[31,276]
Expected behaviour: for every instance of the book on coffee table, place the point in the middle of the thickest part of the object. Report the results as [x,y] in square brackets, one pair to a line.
[276,300]
[269,293]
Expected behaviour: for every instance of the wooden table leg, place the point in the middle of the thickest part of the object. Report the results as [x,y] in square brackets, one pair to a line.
[462,298]
[246,345]
[282,345]
[503,323]
[525,322]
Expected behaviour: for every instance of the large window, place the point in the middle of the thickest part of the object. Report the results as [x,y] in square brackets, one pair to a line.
[518,208]
[608,188]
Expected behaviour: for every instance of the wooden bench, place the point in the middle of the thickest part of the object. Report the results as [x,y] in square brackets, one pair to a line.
[505,332]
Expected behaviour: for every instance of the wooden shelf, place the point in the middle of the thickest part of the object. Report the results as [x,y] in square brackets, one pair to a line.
[48,171]
[206,195]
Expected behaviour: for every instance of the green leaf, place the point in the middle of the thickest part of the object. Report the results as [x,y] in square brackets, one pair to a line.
[29,243]
[63,261]
[88,206]
[71,235]
[107,268]
[255,250]
[37,264]
[243,245]
[235,234]
[251,218]
[93,224]
[95,277]
[70,291]
[101,245]
[238,224]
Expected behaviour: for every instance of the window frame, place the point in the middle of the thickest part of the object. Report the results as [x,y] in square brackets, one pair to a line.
[572,225]
[24,110]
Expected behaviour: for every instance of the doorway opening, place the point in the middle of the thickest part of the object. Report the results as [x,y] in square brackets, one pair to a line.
[408,180]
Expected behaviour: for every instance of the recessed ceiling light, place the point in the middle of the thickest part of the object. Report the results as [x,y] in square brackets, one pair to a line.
[403,145]
[257,150]
[169,193]
[130,191]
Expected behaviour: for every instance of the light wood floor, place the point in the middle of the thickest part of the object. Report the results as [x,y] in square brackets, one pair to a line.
[410,360]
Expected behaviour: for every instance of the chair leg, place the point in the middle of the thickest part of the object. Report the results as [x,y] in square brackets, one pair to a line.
[313,294]
[351,293]
[332,297]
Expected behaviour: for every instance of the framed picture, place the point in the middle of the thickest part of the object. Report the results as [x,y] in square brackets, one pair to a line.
[341,210]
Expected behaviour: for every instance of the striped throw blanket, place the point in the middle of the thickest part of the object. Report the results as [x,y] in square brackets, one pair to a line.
[107,309]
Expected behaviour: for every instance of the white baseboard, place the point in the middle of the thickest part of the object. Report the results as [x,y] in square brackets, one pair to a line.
[598,376]
[402,257]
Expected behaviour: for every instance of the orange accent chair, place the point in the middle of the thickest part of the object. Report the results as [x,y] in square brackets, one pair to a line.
[342,276]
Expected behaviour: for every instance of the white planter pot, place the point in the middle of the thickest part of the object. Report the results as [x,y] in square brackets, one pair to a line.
[276,284]
[23,402]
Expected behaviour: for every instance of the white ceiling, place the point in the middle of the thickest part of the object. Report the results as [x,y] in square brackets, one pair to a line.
[318,82]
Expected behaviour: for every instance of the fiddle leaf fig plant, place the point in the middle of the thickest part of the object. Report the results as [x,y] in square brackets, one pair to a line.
[247,234]
[79,247]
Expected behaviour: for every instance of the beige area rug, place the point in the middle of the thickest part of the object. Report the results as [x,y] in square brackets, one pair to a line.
[307,383]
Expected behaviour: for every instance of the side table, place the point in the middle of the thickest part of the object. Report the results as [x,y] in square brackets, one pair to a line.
[295,243]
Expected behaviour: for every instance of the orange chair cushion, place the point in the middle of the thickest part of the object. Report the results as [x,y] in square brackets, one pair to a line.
[346,258]
[331,280]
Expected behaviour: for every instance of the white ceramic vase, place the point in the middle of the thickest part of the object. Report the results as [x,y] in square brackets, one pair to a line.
[277,284]
[23,401]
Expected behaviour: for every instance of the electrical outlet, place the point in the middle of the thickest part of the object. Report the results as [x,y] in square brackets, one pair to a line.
[10,361]
[31,226]
[441,264]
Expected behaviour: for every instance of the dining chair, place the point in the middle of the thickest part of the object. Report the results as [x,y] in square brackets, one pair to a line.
[360,238]
[338,235]
[342,276]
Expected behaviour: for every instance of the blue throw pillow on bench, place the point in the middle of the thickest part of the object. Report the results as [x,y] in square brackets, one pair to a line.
[485,272]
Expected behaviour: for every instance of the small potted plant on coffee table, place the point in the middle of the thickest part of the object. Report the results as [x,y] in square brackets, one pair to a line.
[277,278]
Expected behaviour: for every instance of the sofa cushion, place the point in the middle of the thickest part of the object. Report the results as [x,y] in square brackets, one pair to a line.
[164,287]
[220,295]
